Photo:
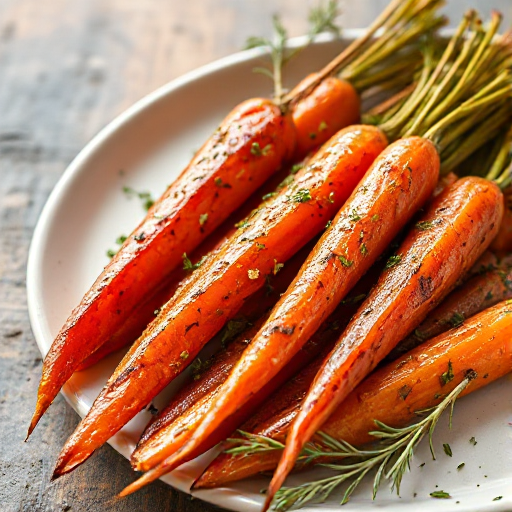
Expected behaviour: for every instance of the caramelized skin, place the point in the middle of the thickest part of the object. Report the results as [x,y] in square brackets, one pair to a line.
[503,241]
[479,293]
[392,394]
[397,185]
[203,305]
[330,107]
[191,208]
[461,222]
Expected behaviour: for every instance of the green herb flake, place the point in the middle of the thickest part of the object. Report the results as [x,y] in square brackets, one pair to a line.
[145,197]
[393,261]
[345,262]
[184,355]
[120,240]
[302,196]
[456,320]
[354,216]
[256,149]
[111,253]
[473,441]
[268,196]
[424,225]
[460,466]
[296,168]
[447,376]
[233,328]
[328,225]
[188,265]
[218,181]
[260,246]
[440,495]
[447,449]
[498,498]
[375,218]
[363,249]
[322,126]
[404,391]
[203,218]
[242,224]
[287,181]
[277,266]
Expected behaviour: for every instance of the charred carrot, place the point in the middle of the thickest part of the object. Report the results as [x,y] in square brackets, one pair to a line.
[221,284]
[478,294]
[161,439]
[455,231]
[256,138]
[393,394]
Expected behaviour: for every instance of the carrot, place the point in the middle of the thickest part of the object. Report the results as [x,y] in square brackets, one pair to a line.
[477,294]
[161,439]
[417,381]
[199,309]
[455,231]
[250,144]
[394,188]
[255,138]
[503,241]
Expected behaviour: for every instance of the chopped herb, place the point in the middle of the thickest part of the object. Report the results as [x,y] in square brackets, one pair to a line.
[218,181]
[253,273]
[354,216]
[473,441]
[203,218]
[277,266]
[447,449]
[322,126]
[242,224]
[456,320]
[296,168]
[375,218]
[404,391]
[498,498]
[184,355]
[233,328]
[440,495]
[145,197]
[424,225]
[257,151]
[268,196]
[260,246]
[302,196]
[331,197]
[448,375]
[461,465]
[488,296]
[111,253]
[140,237]
[120,240]
[188,265]
[328,225]
[421,465]
[363,249]
[287,181]
[393,261]
[345,262]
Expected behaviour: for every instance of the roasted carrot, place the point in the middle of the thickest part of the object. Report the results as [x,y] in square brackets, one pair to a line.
[394,188]
[477,294]
[455,231]
[250,144]
[161,439]
[391,395]
[503,241]
[221,284]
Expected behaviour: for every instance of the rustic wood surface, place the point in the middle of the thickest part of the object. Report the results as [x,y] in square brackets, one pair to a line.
[68,67]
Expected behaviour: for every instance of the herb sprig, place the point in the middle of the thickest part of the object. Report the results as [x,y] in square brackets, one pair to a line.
[391,456]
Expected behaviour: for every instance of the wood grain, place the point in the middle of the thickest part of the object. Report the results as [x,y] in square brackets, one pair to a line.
[66,69]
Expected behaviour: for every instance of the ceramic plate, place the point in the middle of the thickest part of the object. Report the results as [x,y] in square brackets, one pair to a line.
[145,148]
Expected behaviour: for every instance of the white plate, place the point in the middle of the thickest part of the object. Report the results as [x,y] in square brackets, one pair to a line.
[146,148]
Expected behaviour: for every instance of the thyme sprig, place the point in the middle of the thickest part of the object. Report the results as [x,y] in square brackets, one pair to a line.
[391,456]
[321,19]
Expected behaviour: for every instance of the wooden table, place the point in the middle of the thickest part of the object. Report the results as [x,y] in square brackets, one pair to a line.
[68,67]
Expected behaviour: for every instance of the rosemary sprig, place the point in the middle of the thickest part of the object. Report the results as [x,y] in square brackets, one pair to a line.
[321,19]
[391,456]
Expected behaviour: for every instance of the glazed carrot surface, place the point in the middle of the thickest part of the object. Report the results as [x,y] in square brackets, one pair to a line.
[191,208]
[221,284]
[455,230]
[391,395]
[394,188]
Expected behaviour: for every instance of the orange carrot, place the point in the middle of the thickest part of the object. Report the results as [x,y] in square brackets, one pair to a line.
[250,144]
[503,241]
[477,294]
[455,231]
[200,308]
[394,188]
[391,395]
